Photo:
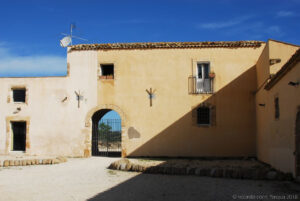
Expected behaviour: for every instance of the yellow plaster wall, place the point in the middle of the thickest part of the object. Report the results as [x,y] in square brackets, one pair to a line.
[167,128]
[57,125]
[282,51]
[275,138]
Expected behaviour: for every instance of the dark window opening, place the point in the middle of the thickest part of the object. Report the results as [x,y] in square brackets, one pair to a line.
[107,71]
[19,95]
[19,136]
[276,102]
[203,116]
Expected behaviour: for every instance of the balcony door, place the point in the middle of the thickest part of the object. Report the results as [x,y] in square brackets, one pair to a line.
[202,78]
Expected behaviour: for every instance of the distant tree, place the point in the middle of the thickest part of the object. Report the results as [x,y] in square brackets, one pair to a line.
[104,129]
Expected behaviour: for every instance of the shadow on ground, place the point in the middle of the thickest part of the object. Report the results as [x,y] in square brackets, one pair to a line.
[189,188]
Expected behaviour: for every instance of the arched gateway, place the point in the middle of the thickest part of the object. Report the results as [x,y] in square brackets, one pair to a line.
[106,134]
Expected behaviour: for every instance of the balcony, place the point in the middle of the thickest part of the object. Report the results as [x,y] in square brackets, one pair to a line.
[200,86]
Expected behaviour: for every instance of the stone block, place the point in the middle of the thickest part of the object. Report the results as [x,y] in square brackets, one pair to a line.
[11,162]
[6,163]
[23,162]
[55,161]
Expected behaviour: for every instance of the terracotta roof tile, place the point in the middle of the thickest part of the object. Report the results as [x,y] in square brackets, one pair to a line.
[166,45]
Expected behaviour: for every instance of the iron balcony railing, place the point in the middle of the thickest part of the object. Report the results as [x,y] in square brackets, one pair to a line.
[200,86]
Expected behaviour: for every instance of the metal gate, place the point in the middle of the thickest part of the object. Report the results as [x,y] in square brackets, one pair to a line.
[106,139]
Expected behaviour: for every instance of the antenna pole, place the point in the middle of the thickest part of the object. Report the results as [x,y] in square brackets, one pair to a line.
[71,32]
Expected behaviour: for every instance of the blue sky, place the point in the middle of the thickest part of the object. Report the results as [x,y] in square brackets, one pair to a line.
[30,30]
[111,115]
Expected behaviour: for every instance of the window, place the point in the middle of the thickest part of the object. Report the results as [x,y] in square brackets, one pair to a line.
[203,80]
[203,116]
[107,71]
[276,103]
[19,95]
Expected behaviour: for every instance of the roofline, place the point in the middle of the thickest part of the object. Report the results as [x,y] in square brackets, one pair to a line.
[284,70]
[278,41]
[167,45]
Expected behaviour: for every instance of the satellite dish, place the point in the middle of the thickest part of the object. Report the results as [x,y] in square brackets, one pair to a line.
[65,41]
[68,37]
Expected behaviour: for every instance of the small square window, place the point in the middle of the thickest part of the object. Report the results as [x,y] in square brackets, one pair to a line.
[203,116]
[19,95]
[107,71]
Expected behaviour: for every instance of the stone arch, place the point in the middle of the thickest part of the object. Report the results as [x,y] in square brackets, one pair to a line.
[88,118]
[88,127]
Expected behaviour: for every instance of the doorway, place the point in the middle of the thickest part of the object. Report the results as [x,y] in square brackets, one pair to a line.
[106,134]
[18,136]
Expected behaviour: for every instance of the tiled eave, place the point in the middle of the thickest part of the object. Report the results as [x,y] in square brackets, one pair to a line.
[167,45]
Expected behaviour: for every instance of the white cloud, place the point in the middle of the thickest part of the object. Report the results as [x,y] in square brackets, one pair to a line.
[223,24]
[285,13]
[273,30]
[14,65]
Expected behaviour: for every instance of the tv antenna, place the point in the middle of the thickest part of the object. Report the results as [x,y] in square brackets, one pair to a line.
[67,40]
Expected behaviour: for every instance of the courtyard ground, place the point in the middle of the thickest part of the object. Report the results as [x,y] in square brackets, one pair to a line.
[88,179]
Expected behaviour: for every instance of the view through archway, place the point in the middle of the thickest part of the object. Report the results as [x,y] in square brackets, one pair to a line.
[106,133]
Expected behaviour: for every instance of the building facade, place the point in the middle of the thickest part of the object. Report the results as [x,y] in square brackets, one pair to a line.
[198,99]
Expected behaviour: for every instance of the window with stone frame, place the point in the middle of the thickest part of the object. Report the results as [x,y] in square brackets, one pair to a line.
[204,115]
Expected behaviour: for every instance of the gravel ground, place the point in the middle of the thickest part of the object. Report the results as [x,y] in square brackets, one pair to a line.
[88,179]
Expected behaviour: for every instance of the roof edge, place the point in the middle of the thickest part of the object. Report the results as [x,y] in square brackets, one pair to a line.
[295,58]
[167,45]
[278,41]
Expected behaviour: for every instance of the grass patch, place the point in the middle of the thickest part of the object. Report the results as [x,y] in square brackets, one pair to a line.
[111,172]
